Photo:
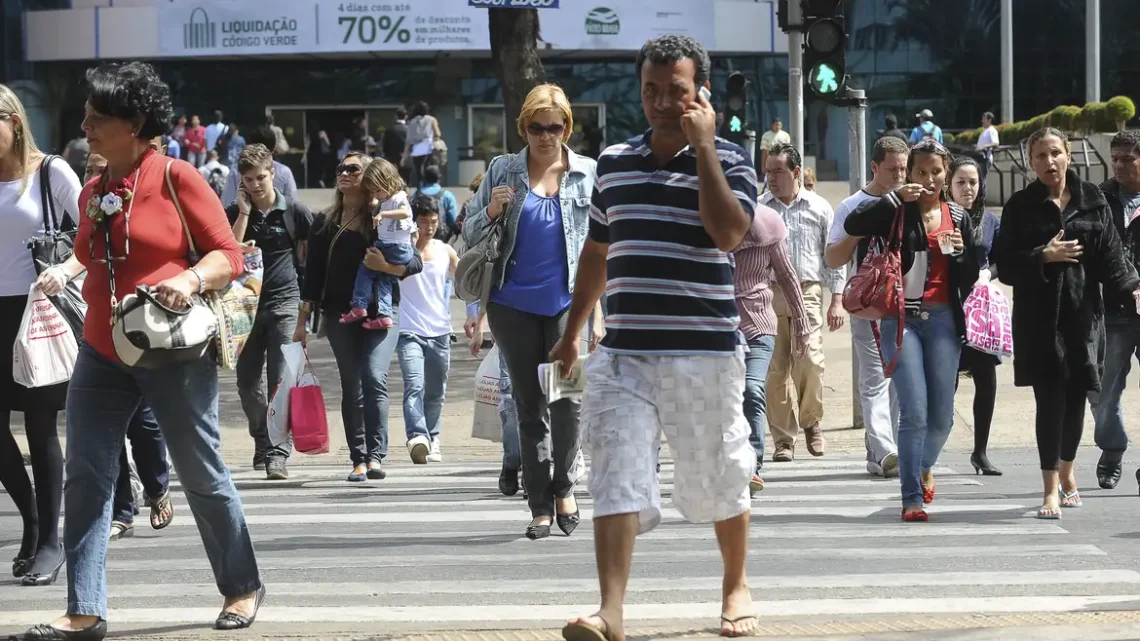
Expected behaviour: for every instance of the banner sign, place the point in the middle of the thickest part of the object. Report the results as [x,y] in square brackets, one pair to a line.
[514,4]
[252,27]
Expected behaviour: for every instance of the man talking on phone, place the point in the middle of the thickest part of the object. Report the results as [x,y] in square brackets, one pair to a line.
[267,219]
[668,207]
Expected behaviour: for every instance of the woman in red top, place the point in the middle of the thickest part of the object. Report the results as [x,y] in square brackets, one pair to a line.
[127,106]
[939,271]
[195,138]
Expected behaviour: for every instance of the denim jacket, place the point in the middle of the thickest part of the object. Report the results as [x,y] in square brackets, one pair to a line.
[574,194]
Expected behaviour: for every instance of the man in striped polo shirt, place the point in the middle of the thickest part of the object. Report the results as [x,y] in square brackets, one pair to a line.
[667,208]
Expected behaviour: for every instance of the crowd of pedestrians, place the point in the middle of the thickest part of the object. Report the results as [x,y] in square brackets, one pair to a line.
[697,296]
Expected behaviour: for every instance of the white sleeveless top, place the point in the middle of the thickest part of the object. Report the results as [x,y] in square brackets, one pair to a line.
[424,308]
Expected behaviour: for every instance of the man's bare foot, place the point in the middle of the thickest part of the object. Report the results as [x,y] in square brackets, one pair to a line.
[737,618]
[245,605]
[74,622]
[595,627]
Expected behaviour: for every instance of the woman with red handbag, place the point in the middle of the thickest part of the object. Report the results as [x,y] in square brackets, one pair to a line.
[934,241]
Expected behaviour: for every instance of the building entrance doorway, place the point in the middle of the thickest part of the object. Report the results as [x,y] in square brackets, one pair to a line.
[320,135]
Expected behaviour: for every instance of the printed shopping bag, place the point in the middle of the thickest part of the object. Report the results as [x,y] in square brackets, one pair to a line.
[46,347]
[487,425]
[278,417]
[308,419]
[251,278]
[988,324]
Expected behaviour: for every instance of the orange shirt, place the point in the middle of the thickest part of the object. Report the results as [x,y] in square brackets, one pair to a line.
[158,245]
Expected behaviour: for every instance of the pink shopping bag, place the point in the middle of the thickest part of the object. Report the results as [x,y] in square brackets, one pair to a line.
[308,420]
[989,327]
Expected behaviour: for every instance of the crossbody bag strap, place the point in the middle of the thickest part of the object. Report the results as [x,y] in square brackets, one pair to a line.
[194,257]
[328,259]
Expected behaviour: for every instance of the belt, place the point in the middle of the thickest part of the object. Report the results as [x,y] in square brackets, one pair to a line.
[921,313]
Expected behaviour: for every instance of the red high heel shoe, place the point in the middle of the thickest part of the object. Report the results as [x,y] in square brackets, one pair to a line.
[918,516]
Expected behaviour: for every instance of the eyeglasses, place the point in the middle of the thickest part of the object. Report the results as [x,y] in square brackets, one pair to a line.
[535,129]
[351,170]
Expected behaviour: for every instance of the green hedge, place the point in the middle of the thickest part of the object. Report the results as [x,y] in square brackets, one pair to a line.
[1095,117]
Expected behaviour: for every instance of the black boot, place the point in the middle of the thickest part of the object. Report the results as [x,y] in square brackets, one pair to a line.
[509,482]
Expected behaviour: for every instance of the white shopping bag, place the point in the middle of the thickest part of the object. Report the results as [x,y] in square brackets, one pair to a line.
[487,425]
[278,419]
[46,347]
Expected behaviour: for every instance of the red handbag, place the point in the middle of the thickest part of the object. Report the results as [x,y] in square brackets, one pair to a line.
[875,292]
[308,420]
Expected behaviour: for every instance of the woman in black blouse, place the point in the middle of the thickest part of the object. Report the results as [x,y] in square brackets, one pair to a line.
[341,238]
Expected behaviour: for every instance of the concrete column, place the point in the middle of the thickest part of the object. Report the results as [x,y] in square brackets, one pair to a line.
[1092,50]
[1006,114]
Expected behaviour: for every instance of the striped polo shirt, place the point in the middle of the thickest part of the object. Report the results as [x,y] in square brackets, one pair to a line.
[669,290]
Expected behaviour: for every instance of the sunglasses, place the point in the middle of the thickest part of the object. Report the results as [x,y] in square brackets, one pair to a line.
[351,170]
[535,129]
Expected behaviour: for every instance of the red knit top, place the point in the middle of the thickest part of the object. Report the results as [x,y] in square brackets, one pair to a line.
[158,244]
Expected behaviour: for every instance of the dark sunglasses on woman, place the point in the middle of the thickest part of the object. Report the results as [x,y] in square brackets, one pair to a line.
[536,129]
[351,170]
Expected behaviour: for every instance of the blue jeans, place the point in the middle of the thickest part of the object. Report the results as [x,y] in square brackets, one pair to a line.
[424,363]
[756,363]
[1123,341]
[148,449]
[362,358]
[924,380]
[376,285]
[509,414]
[102,398]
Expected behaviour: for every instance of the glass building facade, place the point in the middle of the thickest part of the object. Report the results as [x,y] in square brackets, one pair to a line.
[908,55]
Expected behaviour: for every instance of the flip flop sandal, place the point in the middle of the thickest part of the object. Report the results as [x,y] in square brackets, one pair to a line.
[1071,499]
[157,507]
[733,622]
[1048,513]
[120,530]
[587,632]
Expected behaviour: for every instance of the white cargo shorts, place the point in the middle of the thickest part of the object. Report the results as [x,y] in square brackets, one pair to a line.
[698,403]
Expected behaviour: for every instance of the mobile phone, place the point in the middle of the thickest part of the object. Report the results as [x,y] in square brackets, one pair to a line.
[705,92]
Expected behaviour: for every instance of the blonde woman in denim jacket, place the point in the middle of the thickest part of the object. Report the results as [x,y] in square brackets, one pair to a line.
[544,193]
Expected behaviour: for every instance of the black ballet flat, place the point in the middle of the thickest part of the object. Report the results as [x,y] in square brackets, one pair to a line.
[535,532]
[95,632]
[231,621]
[568,522]
[41,580]
[21,565]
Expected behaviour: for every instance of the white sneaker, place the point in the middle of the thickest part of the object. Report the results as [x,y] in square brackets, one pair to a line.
[887,468]
[419,448]
[434,454]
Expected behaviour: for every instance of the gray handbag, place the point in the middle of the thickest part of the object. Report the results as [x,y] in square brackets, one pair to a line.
[476,270]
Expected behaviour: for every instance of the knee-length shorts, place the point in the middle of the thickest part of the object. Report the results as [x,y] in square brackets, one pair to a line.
[697,402]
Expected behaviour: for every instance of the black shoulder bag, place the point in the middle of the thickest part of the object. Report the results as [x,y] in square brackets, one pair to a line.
[54,248]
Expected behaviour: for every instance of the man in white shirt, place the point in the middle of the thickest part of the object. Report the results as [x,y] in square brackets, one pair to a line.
[876,395]
[215,131]
[213,165]
[795,384]
[774,135]
[987,142]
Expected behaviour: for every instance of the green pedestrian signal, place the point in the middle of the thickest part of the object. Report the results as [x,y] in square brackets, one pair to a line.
[824,79]
[735,125]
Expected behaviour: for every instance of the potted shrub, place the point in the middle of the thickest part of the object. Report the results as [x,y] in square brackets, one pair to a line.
[1119,110]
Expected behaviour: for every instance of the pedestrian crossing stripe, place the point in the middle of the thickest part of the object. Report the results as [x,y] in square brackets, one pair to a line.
[381,552]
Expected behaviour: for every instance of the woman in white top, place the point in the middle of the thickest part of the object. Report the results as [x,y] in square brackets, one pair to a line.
[425,335]
[22,209]
[423,131]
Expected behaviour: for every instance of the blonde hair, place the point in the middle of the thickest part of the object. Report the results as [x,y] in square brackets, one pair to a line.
[336,210]
[546,97]
[23,144]
[382,176]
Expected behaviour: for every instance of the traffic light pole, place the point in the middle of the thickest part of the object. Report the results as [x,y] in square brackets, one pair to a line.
[857,155]
[796,75]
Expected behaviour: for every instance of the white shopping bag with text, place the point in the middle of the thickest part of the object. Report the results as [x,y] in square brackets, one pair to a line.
[487,425]
[278,419]
[46,347]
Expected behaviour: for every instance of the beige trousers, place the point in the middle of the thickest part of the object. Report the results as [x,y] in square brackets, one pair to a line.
[795,385]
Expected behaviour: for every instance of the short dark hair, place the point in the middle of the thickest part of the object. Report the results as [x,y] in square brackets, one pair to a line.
[130,92]
[892,121]
[431,174]
[1128,138]
[886,146]
[989,115]
[262,135]
[401,113]
[790,153]
[218,115]
[424,205]
[671,49]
